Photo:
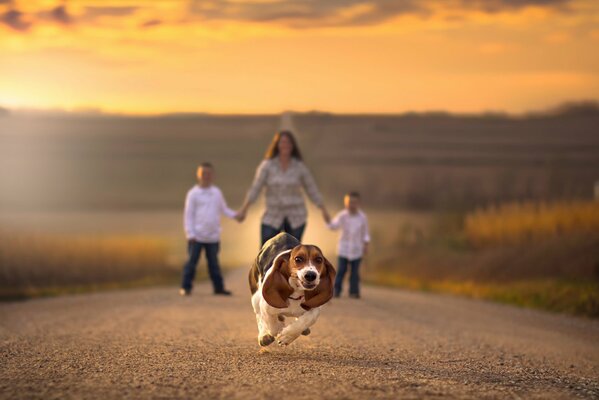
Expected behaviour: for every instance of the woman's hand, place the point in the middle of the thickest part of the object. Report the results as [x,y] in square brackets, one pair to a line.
[325,215]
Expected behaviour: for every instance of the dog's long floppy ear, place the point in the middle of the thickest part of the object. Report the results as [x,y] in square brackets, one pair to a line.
[276,289]
[324,291]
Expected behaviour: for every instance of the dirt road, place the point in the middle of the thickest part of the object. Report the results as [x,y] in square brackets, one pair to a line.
[151,343]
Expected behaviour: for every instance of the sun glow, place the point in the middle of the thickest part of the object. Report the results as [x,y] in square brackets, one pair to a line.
[268,56]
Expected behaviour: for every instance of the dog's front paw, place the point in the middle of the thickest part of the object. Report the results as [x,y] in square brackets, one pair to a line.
[266,340]
[286,337]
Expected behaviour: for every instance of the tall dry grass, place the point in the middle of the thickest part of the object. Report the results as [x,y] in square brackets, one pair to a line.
[567,296]
[35,263]
[517,223]
[541,255]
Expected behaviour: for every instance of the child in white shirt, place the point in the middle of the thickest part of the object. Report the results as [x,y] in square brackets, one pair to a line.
[204,205]
[353,243]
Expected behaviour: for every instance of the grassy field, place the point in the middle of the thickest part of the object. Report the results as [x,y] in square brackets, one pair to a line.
[514,223]
[44,252]
[568,296]
[37,264]
[425,251]
[490,206]
[410,161]
[542,255]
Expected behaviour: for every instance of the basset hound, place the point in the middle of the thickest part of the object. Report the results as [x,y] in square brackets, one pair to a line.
[289,279]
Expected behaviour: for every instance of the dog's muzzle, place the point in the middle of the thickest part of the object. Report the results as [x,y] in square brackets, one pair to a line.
[309,280]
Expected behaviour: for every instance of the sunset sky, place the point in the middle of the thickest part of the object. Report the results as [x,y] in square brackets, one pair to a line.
[263,56]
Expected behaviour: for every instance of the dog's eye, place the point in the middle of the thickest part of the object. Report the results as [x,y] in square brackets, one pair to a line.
[318,260]
[298,259]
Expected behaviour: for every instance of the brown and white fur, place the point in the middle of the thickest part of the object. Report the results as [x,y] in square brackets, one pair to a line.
[289,280]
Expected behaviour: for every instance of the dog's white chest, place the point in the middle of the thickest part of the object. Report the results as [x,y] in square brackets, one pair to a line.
[294,310]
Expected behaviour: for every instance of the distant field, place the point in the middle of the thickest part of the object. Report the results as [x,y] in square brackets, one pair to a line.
[239,244]
[529,222]
[79,163]
[537,255]
[426,162]
[418,250]
[37,264]
[62,252]
[455,163]
[421,178]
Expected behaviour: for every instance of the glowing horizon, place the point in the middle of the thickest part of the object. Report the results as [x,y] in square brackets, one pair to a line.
[267,56]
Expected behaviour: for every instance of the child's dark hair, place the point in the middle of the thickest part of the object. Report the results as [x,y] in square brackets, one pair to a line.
[354,194]
[207,164]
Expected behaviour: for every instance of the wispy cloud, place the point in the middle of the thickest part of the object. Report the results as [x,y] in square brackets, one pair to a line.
[306,13]
[150,23]
[93,12]
[20,20]
[289,13]
[60,15]
[316,13]
[506,5]
[14,19]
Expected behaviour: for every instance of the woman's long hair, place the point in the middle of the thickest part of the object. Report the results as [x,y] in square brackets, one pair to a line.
[273,148]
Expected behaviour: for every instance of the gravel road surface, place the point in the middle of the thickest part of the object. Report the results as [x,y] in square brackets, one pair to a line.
[151,343]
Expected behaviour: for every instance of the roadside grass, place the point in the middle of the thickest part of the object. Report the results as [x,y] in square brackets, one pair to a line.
[556,267]
[29,292]
[514,223]
[572,297]
[33,265]
[538,255]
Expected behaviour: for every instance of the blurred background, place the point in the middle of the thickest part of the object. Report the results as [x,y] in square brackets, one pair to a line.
[470,128]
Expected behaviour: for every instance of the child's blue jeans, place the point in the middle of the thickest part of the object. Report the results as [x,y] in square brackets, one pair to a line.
[354,275]
[189,270]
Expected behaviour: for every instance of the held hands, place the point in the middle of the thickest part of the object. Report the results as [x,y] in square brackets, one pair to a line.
[241,214]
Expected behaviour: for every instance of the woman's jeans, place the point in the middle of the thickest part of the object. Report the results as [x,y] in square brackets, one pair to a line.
[268,232]
[189,270]
[354,275]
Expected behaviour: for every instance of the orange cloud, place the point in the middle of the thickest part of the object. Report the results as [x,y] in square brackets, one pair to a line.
[290,13]
[267,55]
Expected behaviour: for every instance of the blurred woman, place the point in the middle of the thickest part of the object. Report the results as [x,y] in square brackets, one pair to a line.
[283,174]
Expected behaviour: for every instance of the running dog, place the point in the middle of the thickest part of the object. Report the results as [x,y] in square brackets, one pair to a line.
[289,279]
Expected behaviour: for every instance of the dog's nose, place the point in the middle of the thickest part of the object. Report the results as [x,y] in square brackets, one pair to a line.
[310,276]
